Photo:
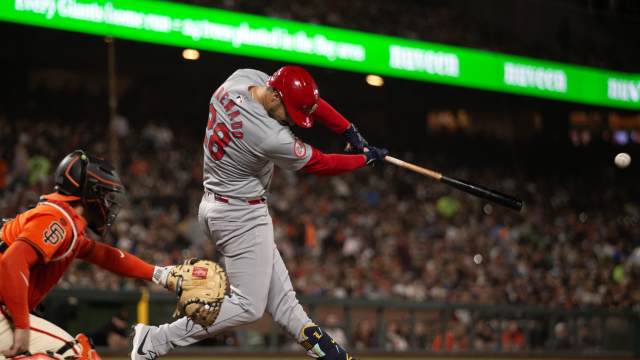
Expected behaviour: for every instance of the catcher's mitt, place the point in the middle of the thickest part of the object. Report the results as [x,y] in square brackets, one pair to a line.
[201,286]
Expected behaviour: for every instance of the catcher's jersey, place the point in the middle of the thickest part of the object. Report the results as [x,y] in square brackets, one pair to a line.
[57,234]
[242,142]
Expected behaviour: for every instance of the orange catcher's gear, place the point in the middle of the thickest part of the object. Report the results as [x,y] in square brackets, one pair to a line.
[79,348]
[39,245]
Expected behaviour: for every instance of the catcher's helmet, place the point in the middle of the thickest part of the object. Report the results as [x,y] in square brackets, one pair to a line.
[95,183]
[298,91]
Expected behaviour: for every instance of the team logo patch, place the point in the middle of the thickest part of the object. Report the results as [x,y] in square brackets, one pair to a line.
[299,149]
[54,233]
[199,272]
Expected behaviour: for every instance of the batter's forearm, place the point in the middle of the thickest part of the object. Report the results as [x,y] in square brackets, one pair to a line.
[332,164]
[119,262]
[14,281]
[330,117]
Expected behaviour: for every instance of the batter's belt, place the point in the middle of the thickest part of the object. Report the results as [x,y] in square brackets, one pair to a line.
[236,201]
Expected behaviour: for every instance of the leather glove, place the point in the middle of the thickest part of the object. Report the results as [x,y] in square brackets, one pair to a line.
[201,286]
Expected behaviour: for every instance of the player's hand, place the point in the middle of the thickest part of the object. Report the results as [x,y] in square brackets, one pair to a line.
[160,275]
[355,141]
[20,343]
[375,155]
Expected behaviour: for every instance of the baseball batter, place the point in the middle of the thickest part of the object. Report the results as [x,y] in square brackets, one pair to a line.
[39,245]
[247,133]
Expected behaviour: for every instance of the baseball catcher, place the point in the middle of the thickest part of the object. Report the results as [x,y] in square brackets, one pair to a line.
[38,245]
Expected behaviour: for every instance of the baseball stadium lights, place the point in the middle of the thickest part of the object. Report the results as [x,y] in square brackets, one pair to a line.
[190,54]
[374,80]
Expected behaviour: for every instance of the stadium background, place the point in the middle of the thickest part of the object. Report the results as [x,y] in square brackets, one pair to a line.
[391,262]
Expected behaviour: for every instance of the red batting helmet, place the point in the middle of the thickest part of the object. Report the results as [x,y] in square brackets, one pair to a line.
[298,91]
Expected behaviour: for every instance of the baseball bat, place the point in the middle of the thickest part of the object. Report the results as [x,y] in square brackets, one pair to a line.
[473,189]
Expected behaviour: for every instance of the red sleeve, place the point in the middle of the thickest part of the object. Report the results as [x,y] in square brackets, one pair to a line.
[14,277]
[330,117]
[332,164]
[117,261]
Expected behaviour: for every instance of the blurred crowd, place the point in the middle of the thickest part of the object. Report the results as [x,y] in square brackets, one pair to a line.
[381,233]
[586,32]
[373,234]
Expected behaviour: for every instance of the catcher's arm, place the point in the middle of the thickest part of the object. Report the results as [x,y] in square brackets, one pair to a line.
[117,261]
[122,262]
[14,288]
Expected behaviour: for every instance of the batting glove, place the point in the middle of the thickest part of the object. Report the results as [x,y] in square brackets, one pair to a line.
[375,155]
[355,141]
[160,275]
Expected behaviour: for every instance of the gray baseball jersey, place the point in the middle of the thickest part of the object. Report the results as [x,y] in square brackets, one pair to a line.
[242,142]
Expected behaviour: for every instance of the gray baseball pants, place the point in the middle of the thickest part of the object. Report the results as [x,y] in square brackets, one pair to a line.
[260,282]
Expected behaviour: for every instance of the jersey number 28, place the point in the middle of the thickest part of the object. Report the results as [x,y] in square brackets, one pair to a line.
[216,140]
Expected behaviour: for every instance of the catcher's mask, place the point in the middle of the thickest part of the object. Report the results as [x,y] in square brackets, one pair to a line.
[95,183]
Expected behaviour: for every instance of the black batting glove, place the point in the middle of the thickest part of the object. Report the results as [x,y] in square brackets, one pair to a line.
[375,155]
[355,141]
